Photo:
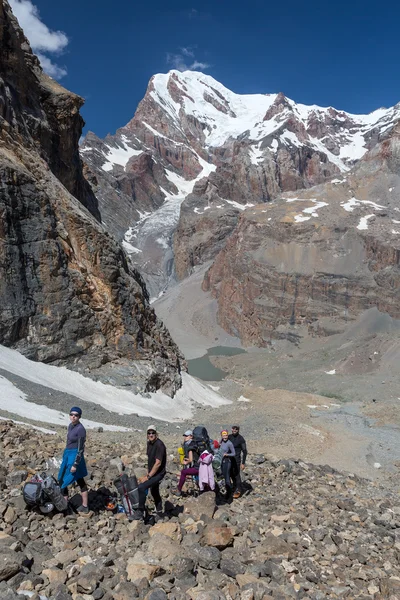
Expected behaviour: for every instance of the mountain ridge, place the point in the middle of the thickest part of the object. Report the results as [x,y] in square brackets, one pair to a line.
[247,148]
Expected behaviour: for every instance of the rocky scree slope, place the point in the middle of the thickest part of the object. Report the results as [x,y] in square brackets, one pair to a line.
[67,292]
[304,531]
[317,256]
[191,134]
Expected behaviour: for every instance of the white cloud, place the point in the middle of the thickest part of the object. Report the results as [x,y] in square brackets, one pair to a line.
[42,39]
[180,62]
[51,68]
[187,51]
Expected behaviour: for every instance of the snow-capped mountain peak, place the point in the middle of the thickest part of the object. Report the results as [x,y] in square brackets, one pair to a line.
[193,140]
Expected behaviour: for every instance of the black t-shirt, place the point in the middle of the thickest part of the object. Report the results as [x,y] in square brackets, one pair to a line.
[155,450]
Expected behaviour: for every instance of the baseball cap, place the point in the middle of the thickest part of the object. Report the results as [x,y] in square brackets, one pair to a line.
[188,432]
[152,428]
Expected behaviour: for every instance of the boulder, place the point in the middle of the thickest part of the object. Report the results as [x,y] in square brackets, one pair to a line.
[10,564]
[137,571]
[217,536]
[203,505]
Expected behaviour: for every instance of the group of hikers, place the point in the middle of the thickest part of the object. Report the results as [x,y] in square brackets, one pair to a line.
[198,453]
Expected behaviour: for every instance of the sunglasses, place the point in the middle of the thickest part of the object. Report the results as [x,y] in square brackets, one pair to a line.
[73,415]
[151,433]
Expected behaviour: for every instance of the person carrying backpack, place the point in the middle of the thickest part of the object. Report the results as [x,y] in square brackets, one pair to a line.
[156,466]
[73,466]
[190,461]
[228,454]
[239,443]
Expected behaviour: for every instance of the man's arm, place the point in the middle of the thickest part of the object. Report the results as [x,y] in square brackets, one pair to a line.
[154,468]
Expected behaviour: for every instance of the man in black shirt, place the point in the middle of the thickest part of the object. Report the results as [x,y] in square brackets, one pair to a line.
[239,443]
[156,469]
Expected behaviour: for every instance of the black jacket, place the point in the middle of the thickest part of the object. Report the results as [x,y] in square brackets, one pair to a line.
[239,443]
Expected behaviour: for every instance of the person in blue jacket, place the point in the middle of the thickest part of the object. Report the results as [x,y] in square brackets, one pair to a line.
[73,466]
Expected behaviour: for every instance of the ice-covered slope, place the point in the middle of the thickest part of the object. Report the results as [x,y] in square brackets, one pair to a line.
[94,394]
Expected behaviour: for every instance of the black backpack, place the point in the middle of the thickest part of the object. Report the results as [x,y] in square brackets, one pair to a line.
[43,492]
[33,493]
[127,488]
[201,440]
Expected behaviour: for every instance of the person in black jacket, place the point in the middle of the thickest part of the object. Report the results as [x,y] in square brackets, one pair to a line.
[239,443]
[156,470]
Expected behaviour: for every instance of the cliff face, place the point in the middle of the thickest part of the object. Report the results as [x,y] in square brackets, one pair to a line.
[173,181]
[329,252]
[67,292]
[38,113]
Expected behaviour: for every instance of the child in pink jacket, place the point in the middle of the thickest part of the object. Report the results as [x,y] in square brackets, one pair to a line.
[206,472]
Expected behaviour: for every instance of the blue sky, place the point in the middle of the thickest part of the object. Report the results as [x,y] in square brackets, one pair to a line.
[344,54]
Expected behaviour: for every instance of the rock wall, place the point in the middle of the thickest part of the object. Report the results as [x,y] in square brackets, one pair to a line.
[331,251]
[38,113]
[209,215]
[67,292]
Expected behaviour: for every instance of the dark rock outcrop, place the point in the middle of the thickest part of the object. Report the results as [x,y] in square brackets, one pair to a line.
[67,292]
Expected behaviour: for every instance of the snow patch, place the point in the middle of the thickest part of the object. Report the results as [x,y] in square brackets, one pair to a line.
[243,399]
[301,218]
[355,149]
[351,204]
[310,210]
[119,155]
[237,205]
[129,248]
[121,401]
[13,400]
[332,372]
[363,224]
[256,154]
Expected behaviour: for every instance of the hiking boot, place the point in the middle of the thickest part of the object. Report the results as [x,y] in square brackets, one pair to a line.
[159,509]
[83,509]
[138,515]
[177,492]
[237,495]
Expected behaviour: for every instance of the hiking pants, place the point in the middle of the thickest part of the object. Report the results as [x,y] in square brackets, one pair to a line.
[226,471]
[82,484]
[184,474]
[236,475]
[154,484]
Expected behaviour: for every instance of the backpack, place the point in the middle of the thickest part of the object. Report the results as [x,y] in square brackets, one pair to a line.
[53,492]
[201,440]
[33,493]
[44,493]
[181,454]
[127,488]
